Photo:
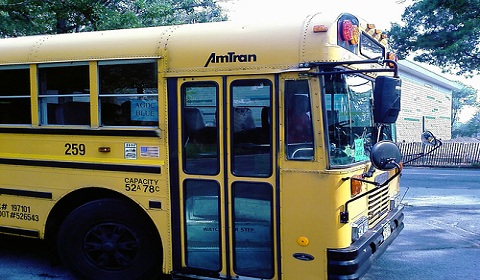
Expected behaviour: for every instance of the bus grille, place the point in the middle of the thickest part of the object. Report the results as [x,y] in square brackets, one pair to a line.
[378,205]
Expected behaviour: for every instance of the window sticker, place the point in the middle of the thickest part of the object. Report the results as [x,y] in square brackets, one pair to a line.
[130,151]
[144,110]
[359,150]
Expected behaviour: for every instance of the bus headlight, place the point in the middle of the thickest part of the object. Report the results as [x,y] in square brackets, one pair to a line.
[359,227]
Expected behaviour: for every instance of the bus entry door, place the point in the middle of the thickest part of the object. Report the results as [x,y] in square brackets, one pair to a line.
[227,177]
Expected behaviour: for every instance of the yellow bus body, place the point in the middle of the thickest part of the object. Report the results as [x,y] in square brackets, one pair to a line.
[47,171]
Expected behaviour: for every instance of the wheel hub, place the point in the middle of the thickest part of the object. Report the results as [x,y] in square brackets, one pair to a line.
[112,246]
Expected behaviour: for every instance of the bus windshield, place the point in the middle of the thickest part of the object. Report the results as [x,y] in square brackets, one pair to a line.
[349,117]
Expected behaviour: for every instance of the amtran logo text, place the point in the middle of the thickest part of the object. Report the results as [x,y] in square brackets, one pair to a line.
[230,57]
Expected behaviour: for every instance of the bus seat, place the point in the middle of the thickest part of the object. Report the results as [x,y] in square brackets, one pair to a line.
[243,119]
[73,113]
[193,120]
[193,124]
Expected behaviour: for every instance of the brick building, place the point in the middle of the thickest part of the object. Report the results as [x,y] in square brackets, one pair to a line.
[426,103]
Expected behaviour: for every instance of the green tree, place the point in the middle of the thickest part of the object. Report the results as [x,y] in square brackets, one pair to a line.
[469,129]
[31,17]
[466,96]
[444,33]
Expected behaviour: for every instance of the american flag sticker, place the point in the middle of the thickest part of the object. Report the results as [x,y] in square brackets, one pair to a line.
[149,151]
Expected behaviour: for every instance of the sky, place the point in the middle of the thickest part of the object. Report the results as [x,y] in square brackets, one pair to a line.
[380,12]
[367,9]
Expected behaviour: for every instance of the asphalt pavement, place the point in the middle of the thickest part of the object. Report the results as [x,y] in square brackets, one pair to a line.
[441,239]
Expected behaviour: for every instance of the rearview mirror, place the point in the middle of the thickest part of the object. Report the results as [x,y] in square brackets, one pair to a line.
[386,99]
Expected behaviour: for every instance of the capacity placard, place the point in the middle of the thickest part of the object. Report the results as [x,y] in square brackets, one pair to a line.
[141,185]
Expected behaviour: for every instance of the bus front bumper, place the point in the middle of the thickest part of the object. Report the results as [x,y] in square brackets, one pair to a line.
[354,261]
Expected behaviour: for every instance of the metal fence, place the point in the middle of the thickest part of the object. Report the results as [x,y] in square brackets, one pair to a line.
[449,154]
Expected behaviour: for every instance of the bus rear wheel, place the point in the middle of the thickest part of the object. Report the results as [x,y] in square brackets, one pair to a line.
[109,239]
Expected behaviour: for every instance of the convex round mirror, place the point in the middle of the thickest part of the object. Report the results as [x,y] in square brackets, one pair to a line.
[429,139]
[384,155]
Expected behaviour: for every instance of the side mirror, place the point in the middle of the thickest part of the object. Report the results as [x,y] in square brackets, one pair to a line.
[386,99]
[385,155]
[429,139]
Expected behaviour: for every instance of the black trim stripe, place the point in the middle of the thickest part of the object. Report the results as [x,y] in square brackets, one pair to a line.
[82,165]
[275,113]
[173,124]
[35,194]
[225,159]
[82,132]
[18,231]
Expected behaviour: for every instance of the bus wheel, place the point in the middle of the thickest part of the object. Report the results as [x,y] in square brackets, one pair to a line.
[109,239]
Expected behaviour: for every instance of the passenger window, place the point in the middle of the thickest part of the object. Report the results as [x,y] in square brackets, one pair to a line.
[252,204]
[128,93]
[64,96]
[299,132]
[200,128]
[251,128]
[15,96]
[202,224]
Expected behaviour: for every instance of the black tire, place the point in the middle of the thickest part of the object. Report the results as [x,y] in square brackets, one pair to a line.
[109,239]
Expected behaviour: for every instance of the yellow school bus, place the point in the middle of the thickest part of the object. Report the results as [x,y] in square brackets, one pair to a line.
[214,151]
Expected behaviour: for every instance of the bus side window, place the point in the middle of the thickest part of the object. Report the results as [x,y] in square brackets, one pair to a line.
[299,131]
[128,93]
[76,113]
[200,128]
[64,96]
[251,131]
[15,96]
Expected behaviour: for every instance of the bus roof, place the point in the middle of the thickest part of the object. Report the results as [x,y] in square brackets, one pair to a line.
[204,47]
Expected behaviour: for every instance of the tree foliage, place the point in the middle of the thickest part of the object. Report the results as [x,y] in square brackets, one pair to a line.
[469,129]
[31,17]
[466,96]
[444,33]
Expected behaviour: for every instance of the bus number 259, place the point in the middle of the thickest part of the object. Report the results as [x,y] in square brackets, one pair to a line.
[74,149]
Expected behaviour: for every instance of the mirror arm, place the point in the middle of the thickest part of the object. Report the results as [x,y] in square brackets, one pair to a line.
[398,172]
[435,148]
[344,216]
[370,172]
[420,155]
[381,61]
[417,156]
